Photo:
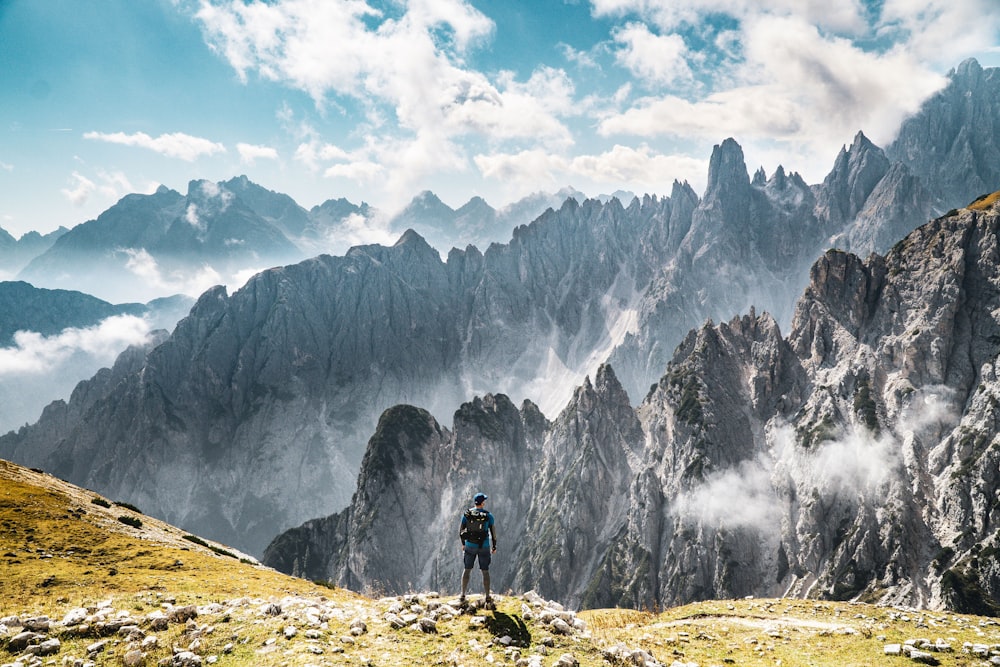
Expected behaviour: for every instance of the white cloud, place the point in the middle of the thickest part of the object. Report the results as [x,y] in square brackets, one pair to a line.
[249,153]
[192,218]
[740,497]
[110,186]
[406,70]
[621,166]
[177,144]
[660,59]
[805,74]
[670,14]
[754,494]
[144,267]
[79,189]
[361,171]
[941,31]
[5,166]
[35,354]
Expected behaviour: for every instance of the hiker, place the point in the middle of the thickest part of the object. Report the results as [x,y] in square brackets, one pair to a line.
[476,532]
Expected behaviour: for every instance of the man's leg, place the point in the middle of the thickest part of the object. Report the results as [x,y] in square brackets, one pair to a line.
[484,564]
[468,559]
[465,582]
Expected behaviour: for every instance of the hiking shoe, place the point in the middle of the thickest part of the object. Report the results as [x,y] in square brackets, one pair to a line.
[461,601]
[489,603]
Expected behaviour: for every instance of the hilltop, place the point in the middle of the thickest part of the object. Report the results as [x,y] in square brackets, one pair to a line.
[90,581]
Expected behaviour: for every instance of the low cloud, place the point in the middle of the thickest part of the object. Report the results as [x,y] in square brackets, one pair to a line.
[79,189]
[739,498]
[35,354]
[109,185]
[193,283]
[754,494]
[177,144]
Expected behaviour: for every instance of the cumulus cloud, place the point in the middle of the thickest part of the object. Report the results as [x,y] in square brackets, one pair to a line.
[177,144]
[620,166]
[407,71]
[657,58]
[807,74]
[250,153]
[35,354]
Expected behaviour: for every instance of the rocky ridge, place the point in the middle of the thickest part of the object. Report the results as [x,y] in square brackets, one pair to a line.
[852,458]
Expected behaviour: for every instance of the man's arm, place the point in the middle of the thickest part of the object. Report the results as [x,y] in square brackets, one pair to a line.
[493,533]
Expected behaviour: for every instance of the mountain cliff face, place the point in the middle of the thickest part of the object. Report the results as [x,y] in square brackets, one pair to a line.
[253,416]
[855,457]
[950,144]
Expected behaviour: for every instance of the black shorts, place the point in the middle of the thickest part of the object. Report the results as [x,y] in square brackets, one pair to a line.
[482,553]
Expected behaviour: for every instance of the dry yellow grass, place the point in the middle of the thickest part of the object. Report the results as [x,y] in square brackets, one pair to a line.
[984,202]
[59,551]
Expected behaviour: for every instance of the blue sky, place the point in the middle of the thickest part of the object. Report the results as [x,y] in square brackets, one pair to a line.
[378,100]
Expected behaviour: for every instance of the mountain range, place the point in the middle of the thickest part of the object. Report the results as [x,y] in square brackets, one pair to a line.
[151,246]
[254,415]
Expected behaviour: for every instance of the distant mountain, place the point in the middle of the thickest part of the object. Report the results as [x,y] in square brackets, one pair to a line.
[854,458]
[474,223]
[27,308]
[16,253]
[147,246]
[65,346]
[262,401]
[226,227]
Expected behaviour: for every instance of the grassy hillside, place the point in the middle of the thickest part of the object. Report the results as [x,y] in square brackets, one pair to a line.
[121,588]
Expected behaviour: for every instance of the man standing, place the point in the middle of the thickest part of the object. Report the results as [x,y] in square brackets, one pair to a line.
[476,532]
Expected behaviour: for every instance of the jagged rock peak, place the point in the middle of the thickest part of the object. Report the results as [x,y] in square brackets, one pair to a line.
[969,69]
[759,177]
[408,237]
[726,168]
[399,440]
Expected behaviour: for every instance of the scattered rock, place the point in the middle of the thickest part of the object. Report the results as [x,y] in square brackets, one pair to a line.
[75,617]
[97,647]
[183,614]
[37,624]
[134,658]
[186,659]
[49,647]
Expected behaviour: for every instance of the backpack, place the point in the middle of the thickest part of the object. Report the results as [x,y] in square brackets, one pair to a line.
[475,526]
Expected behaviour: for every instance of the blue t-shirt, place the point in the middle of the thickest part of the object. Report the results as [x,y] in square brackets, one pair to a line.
[489,524]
